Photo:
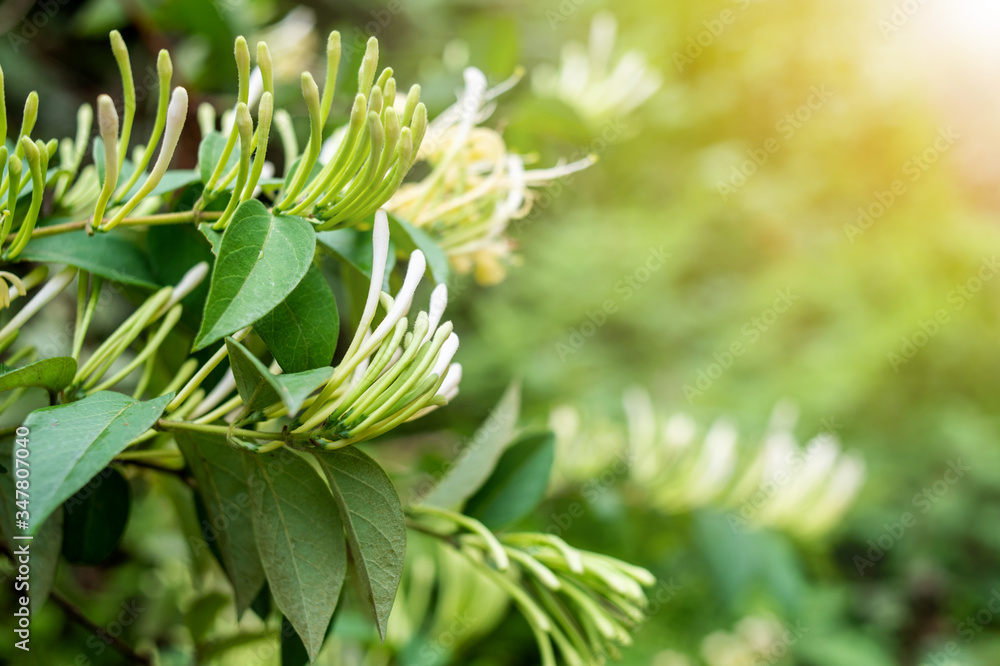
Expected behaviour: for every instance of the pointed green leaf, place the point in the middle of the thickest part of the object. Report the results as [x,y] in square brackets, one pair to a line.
[53,374]
[374,522]
[175,249]
[302,330]
[112,256]
[259,388]
[210,150]
[172,180]
[222,485]
[260,261]
[517,484]
[72,443]
[300,539]
[353,249]
[211,235]
[202,614]
[409,238]
[481,455]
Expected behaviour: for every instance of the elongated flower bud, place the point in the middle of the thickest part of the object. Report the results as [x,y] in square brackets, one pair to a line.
[176,115]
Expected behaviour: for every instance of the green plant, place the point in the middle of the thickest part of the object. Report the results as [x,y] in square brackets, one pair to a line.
[237,386]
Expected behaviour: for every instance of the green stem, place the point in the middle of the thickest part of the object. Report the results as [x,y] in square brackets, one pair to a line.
[164,424]
[160,218]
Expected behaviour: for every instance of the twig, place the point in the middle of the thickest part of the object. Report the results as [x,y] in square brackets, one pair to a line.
[179,473]
[77,616]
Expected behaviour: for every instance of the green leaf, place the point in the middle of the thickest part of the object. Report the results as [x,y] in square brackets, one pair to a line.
[201,615]
[300,539]
[172,180]
[71,443]
[53,374]
[259,388]
[481,455]
[96,516]
[209,152]
[124,173]
[409,238]
[112,256]
[517,484]
[353,249]
[261,260]
[222,485]
[302,330]
[374,522]
[212,236]
[173,250]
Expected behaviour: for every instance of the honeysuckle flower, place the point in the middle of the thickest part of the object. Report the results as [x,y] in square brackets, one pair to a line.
[394,372]
[52,288]
[539,572]
[176,114]
[476,186]
[592,82]
[754,640]
[11,287]
[802,490]
[293,42]
[163,307]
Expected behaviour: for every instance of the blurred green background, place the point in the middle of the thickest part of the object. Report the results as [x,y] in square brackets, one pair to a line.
[843,153]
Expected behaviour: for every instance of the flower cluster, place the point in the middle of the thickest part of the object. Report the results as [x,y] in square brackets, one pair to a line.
[108,191]
[390,374]
[804,491]
[394,373]
[336,182]
[598,88]
[583,603]
[476,186]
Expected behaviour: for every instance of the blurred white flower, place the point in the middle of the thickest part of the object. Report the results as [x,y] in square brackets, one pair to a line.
[804,491]
[476,186]
[591,82]
[293,43]
[752,642]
